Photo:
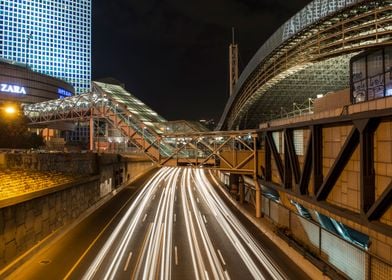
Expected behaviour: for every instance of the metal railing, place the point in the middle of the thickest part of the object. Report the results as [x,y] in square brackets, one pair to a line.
[350,260]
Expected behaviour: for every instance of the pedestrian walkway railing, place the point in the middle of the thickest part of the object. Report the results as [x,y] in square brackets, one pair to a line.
[165,143]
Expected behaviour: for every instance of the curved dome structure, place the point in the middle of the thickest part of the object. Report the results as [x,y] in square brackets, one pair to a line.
[306,56]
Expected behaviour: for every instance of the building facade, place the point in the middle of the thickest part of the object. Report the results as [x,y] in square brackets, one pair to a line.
[52,37]
[23,86]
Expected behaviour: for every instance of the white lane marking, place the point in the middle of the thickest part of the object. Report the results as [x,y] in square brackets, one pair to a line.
[144,218]
[206,274]
[227,275]
[204,218]
[221,257]
[197,200]
[175,217]
[127,263]
[153,197]
[176,255]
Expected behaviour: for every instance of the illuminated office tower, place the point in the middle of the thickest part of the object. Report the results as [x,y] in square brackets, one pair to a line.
[49,36]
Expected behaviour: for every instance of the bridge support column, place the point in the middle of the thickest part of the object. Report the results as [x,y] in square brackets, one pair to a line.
[257,198]
[91,133]
[234,184]
[241,189]
[256,181]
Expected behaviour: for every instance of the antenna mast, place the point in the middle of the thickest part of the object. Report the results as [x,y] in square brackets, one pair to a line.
[233,62]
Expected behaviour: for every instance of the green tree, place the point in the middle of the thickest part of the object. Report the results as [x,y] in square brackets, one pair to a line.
[14,133]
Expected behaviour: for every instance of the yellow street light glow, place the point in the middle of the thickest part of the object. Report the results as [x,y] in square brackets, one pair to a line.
[10,110]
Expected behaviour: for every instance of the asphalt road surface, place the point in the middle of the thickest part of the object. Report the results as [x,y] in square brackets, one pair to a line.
[176,227]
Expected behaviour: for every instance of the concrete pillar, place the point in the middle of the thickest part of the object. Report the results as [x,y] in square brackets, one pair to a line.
[258,198]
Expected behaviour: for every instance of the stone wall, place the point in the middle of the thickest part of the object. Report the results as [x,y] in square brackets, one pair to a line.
[25,224]
[61,162]
[31,219]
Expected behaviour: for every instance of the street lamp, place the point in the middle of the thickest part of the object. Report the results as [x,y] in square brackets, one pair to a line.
[10,109]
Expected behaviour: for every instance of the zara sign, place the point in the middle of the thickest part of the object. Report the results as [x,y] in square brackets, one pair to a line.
[12,89]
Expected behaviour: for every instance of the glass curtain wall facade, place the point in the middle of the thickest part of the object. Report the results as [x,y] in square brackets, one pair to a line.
[49,36]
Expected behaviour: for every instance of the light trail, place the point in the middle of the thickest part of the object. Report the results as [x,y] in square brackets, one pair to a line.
[229,221]
[197,260]
[135,206]
[215,265]
[157,257]
[127,263]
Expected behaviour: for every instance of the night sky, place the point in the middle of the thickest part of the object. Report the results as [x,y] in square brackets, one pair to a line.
[173,54]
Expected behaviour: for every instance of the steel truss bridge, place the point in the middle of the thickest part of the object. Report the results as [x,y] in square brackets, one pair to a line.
[165,143]
[308,55]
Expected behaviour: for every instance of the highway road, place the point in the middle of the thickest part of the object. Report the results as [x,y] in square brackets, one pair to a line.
[176,227]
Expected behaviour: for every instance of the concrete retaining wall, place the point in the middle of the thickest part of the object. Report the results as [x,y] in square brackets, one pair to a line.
[135,168]
[25,224]
[61,162]
[32,218]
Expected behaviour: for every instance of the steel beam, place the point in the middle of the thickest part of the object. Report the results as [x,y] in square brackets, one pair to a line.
[343,157]
[278,160]
[367,187]
[293,158]
[305,178]
[382,204]
[288,174]
[317,157]
[335,210]
[267,160]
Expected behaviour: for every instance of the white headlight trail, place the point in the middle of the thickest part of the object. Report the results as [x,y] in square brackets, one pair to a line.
[160,243]
[155,254]
[213,259]
[140,200]
[197,260]
[119,256]
[230,233]
[233,225]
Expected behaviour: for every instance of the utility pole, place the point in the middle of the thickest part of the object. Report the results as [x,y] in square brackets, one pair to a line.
[233,63]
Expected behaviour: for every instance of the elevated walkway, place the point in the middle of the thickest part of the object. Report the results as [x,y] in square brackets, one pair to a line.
[166,143]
